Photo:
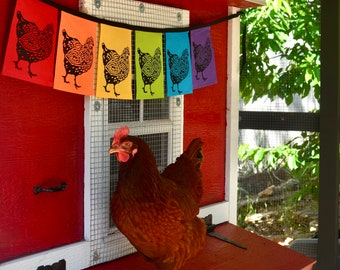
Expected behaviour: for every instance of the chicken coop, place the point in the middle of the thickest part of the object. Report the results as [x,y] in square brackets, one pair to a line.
[57,177]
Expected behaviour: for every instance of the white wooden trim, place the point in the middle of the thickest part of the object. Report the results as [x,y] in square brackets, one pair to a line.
[70,253]
[219,211]
[87,169]
[232,114]
[258,2]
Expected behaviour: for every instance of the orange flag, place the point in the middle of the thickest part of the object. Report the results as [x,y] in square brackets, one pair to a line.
[76,55]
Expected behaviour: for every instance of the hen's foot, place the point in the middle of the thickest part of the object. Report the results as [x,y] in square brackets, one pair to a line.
[178,90]
[16,64]
[31,74]
[105,88]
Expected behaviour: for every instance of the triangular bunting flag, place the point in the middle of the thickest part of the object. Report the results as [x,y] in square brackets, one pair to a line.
[114,72]
[76,54]
[149,65]
[202,57]
[178,64]
[32,43]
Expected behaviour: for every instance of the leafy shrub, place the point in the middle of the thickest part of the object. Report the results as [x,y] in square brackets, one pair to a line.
[300,156]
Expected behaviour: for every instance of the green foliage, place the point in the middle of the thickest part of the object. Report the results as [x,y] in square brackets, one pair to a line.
[300,156]
[283,29]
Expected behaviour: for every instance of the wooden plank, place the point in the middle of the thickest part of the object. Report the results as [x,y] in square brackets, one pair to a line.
[218,255]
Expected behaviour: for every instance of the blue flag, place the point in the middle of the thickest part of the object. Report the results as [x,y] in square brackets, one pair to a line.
[178,64]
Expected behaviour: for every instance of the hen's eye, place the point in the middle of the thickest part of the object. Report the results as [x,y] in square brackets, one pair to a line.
[127,144]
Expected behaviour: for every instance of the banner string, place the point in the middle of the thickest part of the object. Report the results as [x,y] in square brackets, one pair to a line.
[141,28]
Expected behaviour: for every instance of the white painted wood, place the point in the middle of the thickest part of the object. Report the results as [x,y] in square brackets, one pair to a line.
[232,114]
[219,211]
[76,257]
[258,2]
[136,13]
[87,171]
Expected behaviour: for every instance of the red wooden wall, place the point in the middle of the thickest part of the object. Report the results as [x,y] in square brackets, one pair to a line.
[41,143]
[205,117]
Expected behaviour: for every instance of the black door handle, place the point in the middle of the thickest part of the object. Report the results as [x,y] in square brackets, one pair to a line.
[38,189]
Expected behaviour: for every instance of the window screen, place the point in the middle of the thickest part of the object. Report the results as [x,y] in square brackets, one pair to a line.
[135,110]
[158,121]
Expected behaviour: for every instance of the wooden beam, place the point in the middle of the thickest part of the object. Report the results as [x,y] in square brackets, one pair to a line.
[298,121]
[329,136]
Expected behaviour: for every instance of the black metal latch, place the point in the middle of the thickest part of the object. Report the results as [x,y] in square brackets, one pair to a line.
[38,189]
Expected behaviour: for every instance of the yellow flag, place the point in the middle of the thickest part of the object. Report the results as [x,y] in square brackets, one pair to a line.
[114,72]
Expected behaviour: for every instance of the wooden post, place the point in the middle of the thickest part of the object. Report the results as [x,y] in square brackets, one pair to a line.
[329,137]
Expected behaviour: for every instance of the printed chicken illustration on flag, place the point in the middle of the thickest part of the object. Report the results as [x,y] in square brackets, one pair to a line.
[114,73]
[76,55]
[178,71]
[149,65]
[203,60]
[32,42]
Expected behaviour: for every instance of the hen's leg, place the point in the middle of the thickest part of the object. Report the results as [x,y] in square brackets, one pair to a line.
[204,78]
[152,93]
[178,90]
[75,82]
[114,89]
[16,64]
[197,78]
[65,81]
[105,88]
[29,70]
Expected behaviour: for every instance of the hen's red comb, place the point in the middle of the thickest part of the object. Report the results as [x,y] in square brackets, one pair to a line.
[122,132]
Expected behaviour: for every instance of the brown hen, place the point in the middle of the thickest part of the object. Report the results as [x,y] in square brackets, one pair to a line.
[158,212]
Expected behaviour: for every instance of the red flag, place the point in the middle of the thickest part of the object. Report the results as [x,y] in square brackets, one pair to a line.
[31,44]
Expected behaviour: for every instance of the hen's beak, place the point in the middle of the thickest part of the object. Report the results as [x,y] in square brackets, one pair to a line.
[114,149]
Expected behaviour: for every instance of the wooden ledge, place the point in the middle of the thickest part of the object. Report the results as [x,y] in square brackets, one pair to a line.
[218,255]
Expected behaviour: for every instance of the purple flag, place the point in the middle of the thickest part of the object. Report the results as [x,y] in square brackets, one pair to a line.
[202,57]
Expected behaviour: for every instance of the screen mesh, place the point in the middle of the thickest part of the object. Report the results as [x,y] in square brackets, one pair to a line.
[275,201]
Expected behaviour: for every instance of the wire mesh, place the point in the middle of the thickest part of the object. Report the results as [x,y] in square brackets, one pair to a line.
[266,202]
[157,121]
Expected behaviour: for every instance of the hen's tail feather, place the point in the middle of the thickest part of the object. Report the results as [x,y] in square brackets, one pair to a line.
[194,152]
